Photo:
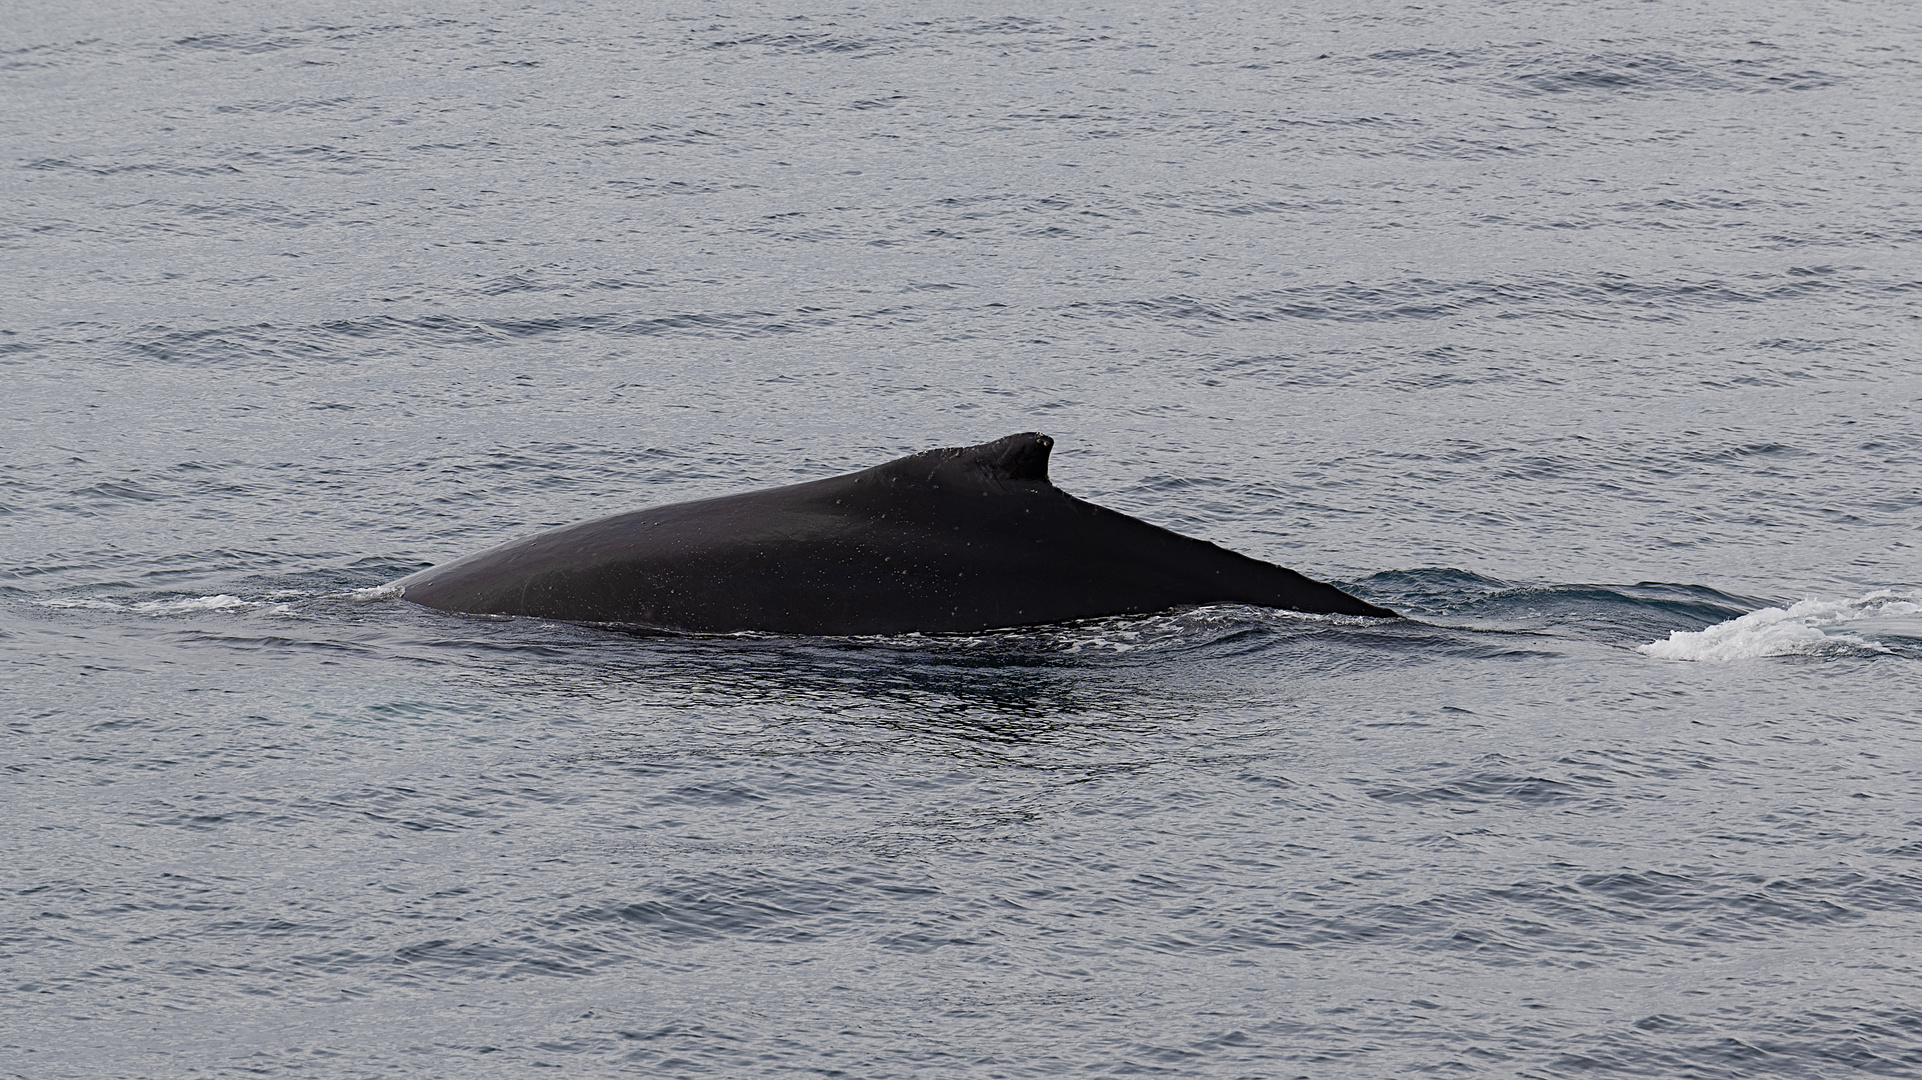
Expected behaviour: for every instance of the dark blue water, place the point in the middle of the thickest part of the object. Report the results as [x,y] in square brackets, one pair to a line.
[1585,334]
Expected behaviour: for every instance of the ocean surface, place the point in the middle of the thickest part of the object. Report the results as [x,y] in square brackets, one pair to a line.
[1586,334]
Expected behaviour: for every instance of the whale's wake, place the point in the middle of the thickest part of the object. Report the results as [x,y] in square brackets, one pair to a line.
[1808,628]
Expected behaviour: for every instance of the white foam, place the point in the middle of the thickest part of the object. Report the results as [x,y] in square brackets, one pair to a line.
[72,602]
[192,603]
[180,606]
[379,592]
[1810,627]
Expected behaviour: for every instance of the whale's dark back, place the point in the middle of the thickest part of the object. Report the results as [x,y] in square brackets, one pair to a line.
[956,539]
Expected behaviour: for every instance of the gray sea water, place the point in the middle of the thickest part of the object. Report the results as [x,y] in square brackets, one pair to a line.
[1584,333]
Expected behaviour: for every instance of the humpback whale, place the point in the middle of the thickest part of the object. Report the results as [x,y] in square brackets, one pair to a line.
[951,540]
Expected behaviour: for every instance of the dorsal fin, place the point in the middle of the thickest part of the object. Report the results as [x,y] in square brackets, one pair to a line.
[1017,459]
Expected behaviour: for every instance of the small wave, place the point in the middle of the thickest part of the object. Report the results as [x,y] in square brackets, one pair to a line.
[178,606]
[1181,631]
[1634,611]
[389,591]
[1178,630]
[1164,630]
[1811,627]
